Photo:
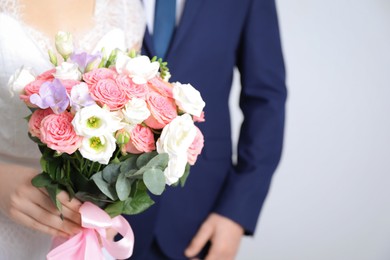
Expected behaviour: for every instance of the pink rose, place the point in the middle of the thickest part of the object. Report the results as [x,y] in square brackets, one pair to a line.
[58,134]
[107,92]
[160,86]
[132,89]
[199,118]
[163,110]
[47,75]
[195,148]
[69,84]
[93,76]
[141,140]
[30,89]
[34,124]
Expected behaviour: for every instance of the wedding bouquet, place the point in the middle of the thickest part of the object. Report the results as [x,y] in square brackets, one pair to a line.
[111,128]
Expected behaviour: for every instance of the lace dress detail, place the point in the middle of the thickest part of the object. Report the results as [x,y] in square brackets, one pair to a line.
[21,44]
[108,14]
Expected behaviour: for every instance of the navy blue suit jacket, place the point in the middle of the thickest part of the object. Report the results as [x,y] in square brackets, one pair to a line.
[213,38]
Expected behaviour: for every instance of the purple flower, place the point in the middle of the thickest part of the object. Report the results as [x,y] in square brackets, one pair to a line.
[53,95]
[80,97]
[83,59]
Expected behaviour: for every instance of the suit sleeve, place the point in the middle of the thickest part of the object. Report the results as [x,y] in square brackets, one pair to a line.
[262,101]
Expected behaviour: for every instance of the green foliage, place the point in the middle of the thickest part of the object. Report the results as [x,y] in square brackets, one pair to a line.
[154,180]
[183,178]
[164,70]
[121,187]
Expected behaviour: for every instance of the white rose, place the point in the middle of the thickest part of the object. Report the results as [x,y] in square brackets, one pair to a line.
[68,70]
[64,44]
[188,99]
[175,169]
[175,139]
[98,148]
[93,121]
[20,79]
[80,97]
[140,68]
[136,111]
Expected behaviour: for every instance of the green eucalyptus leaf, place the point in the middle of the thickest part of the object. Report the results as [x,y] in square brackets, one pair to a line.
[154,180]
[139,203]
[129,164]
[144,158]
[110,173]
[183,178]
[131,173]
[104,187]
[151,161]
[158,161]
[123,187]
[115,209]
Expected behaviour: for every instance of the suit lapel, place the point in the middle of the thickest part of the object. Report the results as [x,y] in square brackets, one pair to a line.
[147,46]
[189,13]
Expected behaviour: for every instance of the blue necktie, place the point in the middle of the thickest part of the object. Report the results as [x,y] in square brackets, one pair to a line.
[164,25]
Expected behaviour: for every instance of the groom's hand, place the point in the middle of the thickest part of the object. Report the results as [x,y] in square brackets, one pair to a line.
[225,237]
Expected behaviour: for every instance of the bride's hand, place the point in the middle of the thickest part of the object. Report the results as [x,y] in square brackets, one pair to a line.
[32,207]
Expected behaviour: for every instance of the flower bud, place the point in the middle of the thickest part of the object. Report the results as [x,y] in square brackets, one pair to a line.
[64,44]
[122,137]
[53,57]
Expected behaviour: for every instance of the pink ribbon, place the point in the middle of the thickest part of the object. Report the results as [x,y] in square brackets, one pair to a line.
[85,245]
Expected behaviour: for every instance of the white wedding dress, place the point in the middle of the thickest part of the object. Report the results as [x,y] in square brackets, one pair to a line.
[118,23]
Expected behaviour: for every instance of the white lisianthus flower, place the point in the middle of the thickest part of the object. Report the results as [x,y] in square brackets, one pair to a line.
[98,148]
[135,111]
[140,69]
[175,139]
[94,120]
[80,97]
[64,44]
[188,99]
[175,169]
[68,70]
[20,79]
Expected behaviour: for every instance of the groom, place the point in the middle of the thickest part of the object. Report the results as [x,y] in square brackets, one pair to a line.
[203,41]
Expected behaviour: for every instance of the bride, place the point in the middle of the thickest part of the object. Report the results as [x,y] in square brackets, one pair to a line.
[27,219]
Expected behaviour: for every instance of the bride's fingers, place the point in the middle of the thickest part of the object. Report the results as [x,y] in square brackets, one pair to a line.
[70,209]
[32,223]
[33,217]
[38,206]
[72,204]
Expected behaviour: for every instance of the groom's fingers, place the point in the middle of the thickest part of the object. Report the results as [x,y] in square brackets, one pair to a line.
[203,235]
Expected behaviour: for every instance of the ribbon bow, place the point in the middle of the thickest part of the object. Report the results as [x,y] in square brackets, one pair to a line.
[85,245]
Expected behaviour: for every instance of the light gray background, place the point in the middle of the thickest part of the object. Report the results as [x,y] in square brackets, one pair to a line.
[330,197]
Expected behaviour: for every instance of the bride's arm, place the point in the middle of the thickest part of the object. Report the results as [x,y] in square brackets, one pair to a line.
[31,207]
